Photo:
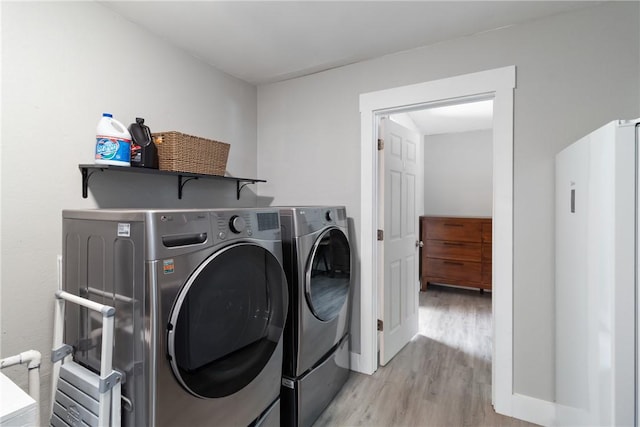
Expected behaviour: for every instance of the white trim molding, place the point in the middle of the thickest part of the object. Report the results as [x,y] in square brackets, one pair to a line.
[536,411]
[498,84]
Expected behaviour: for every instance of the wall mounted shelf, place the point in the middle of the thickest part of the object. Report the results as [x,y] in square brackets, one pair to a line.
[183,177]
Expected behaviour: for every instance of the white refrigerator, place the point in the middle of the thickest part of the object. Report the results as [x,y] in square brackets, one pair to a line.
[596,268]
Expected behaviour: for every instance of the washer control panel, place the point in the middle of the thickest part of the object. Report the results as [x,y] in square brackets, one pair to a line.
[237,224]
[257,223]
[175,232]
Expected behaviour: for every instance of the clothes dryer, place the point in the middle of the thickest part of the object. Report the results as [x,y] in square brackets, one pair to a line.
[318,258]
[201,301]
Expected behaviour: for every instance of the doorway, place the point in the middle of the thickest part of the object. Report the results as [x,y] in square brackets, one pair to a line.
[498,83]
[435,160]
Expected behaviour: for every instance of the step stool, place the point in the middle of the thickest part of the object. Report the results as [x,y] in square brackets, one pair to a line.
[80,396]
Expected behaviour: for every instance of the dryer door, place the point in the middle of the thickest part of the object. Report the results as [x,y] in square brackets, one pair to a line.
[227,320]
[328,274]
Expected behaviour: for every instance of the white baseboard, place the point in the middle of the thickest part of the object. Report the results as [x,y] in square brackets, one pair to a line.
[533,410]
[356,364]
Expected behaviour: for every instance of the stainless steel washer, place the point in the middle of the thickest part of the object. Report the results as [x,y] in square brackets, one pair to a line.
[201,301]
[317,259]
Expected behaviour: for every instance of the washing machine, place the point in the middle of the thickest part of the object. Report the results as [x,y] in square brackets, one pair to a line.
[318,259]
[201,302]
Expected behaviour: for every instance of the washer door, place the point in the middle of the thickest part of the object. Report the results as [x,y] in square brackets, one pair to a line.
[227,320]
[328,274]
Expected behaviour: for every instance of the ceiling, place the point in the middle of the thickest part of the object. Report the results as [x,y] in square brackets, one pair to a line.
[268,41]
[465,117]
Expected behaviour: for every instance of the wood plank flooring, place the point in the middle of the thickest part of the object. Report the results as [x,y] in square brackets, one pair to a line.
[441,378]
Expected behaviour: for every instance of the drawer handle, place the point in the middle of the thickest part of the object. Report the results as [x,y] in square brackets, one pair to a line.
[453,225]
[453,263]
[184,239]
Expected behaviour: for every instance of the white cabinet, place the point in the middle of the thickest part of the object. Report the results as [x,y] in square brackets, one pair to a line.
[17,408]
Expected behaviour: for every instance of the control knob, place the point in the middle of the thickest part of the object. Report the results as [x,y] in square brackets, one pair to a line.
[237,224]
[328,216]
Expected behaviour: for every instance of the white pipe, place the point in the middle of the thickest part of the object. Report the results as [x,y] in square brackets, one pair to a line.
[96,306]
[32,358]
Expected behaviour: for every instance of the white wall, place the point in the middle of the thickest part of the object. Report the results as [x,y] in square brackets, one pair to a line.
[63,64]
[575,71]
[458,170]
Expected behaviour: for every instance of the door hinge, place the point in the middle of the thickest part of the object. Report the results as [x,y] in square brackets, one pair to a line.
[380,325]
[380,144]
[380,235]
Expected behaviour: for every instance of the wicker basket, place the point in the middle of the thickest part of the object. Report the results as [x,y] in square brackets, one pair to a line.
[180,152]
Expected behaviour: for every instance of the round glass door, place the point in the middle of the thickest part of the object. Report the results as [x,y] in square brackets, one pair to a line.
[329,274]
[227,320]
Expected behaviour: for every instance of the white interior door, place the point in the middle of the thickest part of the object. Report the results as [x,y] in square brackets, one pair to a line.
[399,293]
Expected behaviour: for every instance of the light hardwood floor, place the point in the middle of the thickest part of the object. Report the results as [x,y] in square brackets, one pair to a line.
[441,378]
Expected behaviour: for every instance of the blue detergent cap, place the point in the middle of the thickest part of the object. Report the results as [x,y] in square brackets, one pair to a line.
[107,115]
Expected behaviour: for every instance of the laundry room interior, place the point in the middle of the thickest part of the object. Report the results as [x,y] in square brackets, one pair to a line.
[309,204]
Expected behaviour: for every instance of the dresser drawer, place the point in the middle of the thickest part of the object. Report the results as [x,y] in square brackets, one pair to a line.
[453,271]
[486,275]
[459,230]
[487,231]
[486,252]
[460,251]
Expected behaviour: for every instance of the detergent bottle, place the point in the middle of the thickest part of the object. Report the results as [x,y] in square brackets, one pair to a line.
[144,153]
[113,142]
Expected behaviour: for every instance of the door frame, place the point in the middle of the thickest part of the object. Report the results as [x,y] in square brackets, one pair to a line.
[500,83]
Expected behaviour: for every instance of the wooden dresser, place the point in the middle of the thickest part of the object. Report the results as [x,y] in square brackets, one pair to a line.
[456,251]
